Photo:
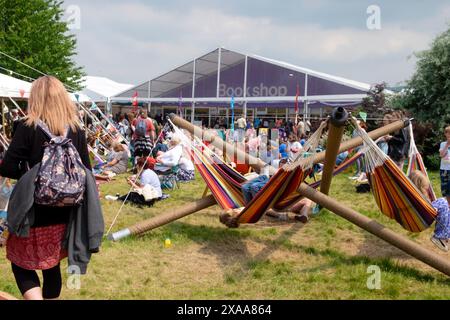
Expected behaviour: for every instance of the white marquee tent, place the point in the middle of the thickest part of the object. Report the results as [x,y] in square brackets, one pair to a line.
[14,88]
[100,89]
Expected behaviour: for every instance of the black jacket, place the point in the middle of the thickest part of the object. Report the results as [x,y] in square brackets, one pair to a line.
[85,228]
[25,151]
[399,145]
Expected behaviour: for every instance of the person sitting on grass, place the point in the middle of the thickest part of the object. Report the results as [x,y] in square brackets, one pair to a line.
[165,161]
[119,160]
[187,170]
[441,233]
[147,190]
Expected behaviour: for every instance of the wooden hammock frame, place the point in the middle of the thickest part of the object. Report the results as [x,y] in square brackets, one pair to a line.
[372,226]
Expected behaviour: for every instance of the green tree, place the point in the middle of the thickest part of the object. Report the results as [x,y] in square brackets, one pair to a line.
[428,92]
[33,31]
[427,95]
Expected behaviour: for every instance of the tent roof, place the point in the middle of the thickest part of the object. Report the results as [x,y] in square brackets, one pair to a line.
[101,88]
[11,87]
[206,67]
[344,81]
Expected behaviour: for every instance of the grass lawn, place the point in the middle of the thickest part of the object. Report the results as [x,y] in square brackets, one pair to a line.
[328,258]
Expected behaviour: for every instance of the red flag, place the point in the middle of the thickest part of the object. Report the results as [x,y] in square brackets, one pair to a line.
[296,98]
[135,99]
[22,93]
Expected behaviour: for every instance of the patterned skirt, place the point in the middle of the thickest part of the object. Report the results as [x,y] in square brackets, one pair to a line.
[185,175]
[42,250]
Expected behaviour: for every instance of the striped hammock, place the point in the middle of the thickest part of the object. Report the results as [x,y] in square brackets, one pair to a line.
[415,162]
[279,193]
[396,196]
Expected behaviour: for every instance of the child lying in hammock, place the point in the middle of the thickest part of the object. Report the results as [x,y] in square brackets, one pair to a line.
[298,212]
[441,234]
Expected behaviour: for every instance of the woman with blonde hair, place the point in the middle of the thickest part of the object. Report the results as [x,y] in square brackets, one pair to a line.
[49,104]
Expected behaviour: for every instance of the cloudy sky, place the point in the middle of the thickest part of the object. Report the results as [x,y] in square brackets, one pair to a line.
[135,40]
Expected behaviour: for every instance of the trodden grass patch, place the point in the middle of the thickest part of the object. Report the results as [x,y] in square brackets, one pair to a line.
[328,258]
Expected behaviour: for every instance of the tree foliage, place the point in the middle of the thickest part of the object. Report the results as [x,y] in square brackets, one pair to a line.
[33,31]
[427,96]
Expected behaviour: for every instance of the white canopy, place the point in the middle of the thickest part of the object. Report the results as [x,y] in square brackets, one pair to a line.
[101,88]
[16,88]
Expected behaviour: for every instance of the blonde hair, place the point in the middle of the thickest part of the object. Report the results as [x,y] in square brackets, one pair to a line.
[421,181]
[175,140]
[50,103]
[117,146]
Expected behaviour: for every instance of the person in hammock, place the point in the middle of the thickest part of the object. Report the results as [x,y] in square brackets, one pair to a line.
[441,233]
[299,212]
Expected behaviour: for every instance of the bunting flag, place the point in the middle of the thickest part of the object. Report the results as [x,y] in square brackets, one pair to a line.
[93,107]
[77,96]
[363,116]
[22,93]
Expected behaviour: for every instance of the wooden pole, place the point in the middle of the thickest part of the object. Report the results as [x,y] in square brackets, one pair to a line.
[163,219]
[336,128]
[254,163]
[257,164]
[427,256]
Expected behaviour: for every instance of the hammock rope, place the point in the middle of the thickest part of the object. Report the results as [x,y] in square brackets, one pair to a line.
[279,191]
[396,196]
[415,162]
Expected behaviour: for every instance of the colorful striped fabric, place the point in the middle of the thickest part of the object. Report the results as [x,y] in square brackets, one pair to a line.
[280,192]
[225,185]
[279,188]
[342,167]
[396,196]
[227,192]
[399,199]
[415,162]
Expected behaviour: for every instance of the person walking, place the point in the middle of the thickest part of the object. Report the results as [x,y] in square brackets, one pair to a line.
[50,112]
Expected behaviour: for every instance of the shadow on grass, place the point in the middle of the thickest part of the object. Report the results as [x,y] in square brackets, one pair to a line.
[229,246]
[385,264]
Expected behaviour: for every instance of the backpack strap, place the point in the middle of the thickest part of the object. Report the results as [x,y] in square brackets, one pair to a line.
[41,124]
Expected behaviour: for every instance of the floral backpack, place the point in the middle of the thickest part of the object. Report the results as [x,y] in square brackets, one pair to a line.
[61,178]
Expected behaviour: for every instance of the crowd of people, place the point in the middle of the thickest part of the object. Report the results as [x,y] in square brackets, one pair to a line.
[57,158]
[167,161]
